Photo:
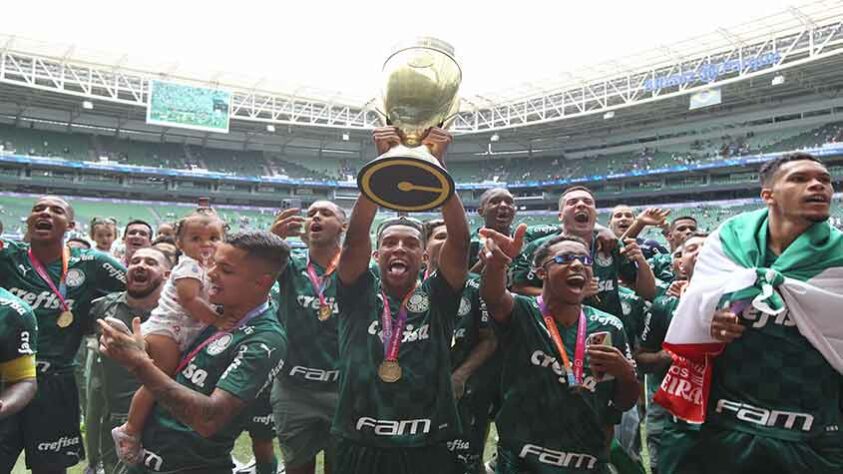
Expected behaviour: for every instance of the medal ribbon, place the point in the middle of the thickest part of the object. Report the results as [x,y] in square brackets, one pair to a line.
[317,282]
[251,314]
[573,373]
[61,291]
[393,334]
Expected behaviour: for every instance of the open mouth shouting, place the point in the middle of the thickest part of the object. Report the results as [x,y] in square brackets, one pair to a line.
[581,217]
[397,268]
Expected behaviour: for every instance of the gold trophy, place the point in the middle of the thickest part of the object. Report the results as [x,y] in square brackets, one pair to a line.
[420,92]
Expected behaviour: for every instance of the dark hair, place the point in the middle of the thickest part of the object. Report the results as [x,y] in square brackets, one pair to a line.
[164,239]
[79,240]
[430,226]
[265,247]
[543,251]
[768,170]
[169,259]
[135,222]
[682,218]
[98,221]
[205,214]
[484,198]
[572,189]
[405,221]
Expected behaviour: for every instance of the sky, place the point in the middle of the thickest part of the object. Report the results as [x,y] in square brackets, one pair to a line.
[339,47]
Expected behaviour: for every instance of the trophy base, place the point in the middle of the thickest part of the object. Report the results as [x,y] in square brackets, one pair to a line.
[406,180]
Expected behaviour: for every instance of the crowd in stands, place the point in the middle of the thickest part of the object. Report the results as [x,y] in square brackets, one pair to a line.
[29,141]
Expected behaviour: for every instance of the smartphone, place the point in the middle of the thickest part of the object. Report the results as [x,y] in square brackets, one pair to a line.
[118,325]
[603,338]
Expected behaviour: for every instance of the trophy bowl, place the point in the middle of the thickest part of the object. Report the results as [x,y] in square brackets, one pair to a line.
[421,81]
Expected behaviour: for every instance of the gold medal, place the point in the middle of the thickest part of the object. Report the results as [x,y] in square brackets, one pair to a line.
[325,311]
[65,319]
[389,371]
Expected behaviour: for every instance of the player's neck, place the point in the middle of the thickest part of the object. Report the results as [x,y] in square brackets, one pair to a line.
[323,254]
[47,252]
[398,292]
[503,230]
[240,309]
[587,236]
[564,313]
[783,231]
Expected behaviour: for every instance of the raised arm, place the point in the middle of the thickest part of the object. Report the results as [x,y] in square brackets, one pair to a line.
[498,253]
[453,260]
[645,281]
[206,415]
[648,217]
[357,246]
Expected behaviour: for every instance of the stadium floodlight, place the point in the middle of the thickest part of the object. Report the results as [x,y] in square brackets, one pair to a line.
[270,128]
[494,138]
[778,80]
[608,115]
[345,136]
[87,105]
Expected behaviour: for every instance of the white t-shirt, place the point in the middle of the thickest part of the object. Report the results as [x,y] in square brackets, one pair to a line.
[169,317]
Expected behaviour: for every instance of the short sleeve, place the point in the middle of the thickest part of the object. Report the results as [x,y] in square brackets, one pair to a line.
[248,373]
[19,331]
[349,296]
[521,269]
[111,274]
[187,268]
[627,270]
[656,323]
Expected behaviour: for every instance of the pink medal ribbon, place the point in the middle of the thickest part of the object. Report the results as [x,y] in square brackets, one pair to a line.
[61,291]
[251,314]
[393,331]
[574,373]
[318,282]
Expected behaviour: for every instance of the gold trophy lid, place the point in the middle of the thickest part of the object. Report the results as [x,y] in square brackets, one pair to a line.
[425,42]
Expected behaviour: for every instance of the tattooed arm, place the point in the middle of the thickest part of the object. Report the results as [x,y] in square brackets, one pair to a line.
[204,414]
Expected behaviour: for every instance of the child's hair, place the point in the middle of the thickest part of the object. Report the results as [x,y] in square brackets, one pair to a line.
[100,221]
[204,215]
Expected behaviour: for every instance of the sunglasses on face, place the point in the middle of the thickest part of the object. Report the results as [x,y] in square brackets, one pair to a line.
[567,258]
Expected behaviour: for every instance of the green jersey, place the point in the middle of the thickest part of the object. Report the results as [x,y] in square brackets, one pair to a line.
[112,385]
[472,316]
[243,363]
[633,309]
[772,382]
[662,265]
[541,418]
[18,330]
[607,269]
[90,275]
[313,349]
[419,408]
[656,322]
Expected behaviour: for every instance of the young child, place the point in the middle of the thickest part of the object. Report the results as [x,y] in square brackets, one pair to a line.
[103,232]
[183,312]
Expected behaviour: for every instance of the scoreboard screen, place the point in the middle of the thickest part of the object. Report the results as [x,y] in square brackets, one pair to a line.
[179,105]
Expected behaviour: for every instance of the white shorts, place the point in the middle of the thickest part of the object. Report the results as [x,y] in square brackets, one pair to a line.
[180,329]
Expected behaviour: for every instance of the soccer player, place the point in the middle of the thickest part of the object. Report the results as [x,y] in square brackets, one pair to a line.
[137,235]
[667,439]
[623,223]
[497,208]
[59,284]
[199,415]
[556,415]
[775,400]
[679,230]
[396,409]
[578,214]
[110,386]
[18,342]
[472,347]
[305,394]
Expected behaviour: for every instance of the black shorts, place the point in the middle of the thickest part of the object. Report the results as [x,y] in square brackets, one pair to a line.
[47,429]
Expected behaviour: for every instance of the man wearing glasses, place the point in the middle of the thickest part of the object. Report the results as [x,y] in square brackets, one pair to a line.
[567,368]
